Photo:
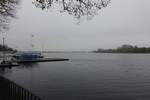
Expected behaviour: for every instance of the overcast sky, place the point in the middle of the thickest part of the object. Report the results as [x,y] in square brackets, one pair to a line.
[122,22]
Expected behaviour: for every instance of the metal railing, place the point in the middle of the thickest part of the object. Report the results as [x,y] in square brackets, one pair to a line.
[12,91]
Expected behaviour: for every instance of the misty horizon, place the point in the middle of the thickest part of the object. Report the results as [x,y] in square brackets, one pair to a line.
[122,22]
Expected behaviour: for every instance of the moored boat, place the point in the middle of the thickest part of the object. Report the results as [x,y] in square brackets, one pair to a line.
[30,57]
[27,56]
[8,64]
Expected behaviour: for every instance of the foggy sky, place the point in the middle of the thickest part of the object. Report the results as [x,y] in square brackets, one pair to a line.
[122,22]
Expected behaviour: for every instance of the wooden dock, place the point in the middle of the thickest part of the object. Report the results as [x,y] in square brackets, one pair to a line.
[42,60]
[8,65]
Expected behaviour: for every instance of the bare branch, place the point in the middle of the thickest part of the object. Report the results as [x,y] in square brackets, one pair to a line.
[77,8]
[7,11]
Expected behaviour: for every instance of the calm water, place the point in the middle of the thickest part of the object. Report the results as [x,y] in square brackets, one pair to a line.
[87,76]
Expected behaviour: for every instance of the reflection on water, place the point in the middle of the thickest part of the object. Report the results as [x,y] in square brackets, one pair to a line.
[29,65]
[5,70]
[87,76]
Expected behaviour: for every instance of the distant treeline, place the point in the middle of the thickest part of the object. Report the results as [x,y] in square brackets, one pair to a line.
[5,48]
[125,49]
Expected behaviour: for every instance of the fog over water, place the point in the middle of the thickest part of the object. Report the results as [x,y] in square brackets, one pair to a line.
[122,22]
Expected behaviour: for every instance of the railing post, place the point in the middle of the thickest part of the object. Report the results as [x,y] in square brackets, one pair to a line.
[11,91]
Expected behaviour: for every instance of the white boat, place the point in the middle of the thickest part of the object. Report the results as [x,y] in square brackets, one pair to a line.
[8,64]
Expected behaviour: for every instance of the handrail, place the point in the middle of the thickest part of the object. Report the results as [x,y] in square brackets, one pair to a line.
[9,90]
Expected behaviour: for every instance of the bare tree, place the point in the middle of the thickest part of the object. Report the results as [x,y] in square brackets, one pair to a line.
[7,11]
[77,8]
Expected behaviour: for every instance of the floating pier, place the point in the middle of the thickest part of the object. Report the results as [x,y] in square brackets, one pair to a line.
[8,65]
[42,60]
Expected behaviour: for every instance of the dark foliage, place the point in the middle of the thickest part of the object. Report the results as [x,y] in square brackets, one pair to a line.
[7,11]
[5,48]
[77,8]
[125,49]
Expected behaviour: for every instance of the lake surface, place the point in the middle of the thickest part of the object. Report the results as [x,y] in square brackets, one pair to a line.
[87,76]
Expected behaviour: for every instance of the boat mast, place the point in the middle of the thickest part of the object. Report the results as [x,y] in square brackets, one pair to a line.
[32,45]
[3,49]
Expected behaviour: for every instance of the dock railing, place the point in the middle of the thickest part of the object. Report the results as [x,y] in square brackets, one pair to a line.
[12,91]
